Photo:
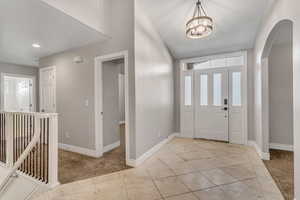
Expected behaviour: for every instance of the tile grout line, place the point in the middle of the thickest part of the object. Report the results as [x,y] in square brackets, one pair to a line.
[153,181]
[201,172]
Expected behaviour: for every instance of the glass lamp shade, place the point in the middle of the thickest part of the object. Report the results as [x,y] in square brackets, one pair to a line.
[199,27]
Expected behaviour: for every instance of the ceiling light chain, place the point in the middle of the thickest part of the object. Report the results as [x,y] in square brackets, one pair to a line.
[200,25]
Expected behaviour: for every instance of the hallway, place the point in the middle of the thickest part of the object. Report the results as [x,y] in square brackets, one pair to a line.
[184,169]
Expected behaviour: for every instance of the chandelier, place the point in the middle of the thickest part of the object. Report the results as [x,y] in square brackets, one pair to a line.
[200,25]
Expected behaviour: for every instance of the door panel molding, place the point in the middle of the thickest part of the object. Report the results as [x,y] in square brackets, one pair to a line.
[54,103]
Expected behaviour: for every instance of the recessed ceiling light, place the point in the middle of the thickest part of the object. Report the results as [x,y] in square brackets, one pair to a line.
[35,45]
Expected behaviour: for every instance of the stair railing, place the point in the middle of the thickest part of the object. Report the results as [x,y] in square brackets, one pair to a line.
[31,146]
[23,156]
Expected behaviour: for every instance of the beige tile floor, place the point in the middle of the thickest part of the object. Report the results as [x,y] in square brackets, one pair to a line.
[184,169]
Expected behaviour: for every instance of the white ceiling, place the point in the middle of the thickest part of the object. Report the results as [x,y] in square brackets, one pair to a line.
[236,24]
[23,23]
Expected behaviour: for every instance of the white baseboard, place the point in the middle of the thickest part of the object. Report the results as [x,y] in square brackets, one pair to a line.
[111,146]
[131,162]
[184,136]
[148,154]
[80,150]
[263,155]
[284,147]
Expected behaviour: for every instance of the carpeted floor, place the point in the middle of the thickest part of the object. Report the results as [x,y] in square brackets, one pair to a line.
[74,167]
[281,167]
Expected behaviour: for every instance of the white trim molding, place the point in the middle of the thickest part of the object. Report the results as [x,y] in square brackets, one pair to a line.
[148,154]
[99,103]
[80,150]
[111,146]
[284,147]
[262,155]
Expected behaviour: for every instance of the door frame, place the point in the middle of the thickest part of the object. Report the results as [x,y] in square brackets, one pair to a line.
[40,86]
[185,62]
[32,77]
[99,101]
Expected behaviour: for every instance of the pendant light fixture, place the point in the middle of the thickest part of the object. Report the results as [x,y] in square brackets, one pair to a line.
[200,25]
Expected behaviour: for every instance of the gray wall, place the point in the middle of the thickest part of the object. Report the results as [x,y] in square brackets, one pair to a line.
[151,89]
[111,112]
[281,94]
[75,82]
[250,94]
[281,10]
[121,98]
[154,85]
[24,70]
[177,95]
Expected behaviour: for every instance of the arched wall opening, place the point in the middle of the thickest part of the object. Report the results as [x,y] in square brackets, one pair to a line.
[277,105]
[277,88]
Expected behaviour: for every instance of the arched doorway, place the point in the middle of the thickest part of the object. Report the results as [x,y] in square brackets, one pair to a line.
[277,105]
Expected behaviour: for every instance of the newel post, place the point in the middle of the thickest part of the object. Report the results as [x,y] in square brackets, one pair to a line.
[53,150]
[9,128]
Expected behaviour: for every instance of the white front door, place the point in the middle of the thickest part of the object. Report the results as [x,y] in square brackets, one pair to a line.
[211,104]
[48,90]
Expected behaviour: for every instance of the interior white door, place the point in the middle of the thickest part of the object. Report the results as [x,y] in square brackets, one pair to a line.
[48,90]
[18,93]
[211,104]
